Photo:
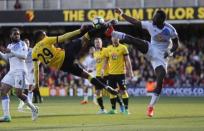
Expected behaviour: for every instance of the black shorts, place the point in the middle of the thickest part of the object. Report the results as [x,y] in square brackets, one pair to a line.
[116,81]
[72,50]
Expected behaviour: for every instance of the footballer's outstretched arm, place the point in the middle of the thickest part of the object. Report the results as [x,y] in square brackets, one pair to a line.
[128,18]
[68,36]
[128,65]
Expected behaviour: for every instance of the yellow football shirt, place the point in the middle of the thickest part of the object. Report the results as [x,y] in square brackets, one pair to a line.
[46,53]
[99,56]
[116,59]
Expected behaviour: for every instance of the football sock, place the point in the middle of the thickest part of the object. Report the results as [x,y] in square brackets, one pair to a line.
[5,105]
[119,100]
[94,98]
[100,102]
[154,99]
[21,104]
[113,100]
[125,98]
[28,103]
[118,35]
[30,96]
[85,96]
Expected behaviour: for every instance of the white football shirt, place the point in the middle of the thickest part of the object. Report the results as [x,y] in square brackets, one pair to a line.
[161,38]
[19,51]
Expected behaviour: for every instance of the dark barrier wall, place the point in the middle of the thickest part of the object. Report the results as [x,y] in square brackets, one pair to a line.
[183,14]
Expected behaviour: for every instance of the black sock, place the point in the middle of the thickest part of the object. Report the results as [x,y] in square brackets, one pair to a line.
[97,83]
[100,102]
[119,100]
[140,44]
[113,103]
[125,101]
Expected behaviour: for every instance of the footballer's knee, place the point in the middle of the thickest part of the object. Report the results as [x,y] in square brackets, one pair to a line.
[98,93]
[4,89]
[124,93]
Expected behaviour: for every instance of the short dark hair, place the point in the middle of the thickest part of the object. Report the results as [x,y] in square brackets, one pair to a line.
[37,35]
[14,29]
[162,14]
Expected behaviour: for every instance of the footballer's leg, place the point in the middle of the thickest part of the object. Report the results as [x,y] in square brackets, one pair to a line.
[85,90]
[19,86]
[113,98]
[99,96]
[4,89]
[139,44]
[71,52]
[78,71]
[160,74]
[123,91]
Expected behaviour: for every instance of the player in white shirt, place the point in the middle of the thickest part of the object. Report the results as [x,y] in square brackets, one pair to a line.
[29,77]
[15,53]
[90,64]
[157,51]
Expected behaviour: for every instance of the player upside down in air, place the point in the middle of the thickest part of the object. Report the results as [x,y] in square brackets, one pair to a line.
[45,52]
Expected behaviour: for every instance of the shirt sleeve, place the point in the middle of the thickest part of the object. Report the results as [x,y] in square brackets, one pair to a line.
[145,24]
[125,51]
[105,52]
[62,38]
[174,34]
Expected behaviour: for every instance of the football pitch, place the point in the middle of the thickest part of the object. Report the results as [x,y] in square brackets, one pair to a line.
[66,114]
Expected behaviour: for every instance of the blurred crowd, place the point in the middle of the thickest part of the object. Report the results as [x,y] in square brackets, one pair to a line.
[186,69]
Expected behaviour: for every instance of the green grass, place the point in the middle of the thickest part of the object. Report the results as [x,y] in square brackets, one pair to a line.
[66,114]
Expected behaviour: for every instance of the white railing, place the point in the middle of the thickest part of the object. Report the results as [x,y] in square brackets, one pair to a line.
[95,4]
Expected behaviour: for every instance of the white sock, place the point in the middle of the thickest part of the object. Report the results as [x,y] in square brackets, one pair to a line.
[86,96]
[118,35]
[94,98]
[30,96]
[154,99]
[5,105]
[21,104]
[29,104]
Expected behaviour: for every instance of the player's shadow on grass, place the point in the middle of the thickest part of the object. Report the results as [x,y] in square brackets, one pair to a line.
[78,127]
[177,117]
[56,115]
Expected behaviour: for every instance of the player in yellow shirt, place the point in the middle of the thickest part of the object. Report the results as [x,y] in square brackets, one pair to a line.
[99,56]
[117,56]
[46,53]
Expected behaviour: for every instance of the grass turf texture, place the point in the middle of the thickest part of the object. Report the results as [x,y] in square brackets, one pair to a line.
[66,114]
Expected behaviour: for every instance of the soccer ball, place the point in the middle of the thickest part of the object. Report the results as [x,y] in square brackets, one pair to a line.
[98,22]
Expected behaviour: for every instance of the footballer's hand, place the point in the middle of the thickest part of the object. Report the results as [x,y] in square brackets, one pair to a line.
[119,11]
[6,50]
[130,74]
[168,53]
[102,73]
[110,23]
